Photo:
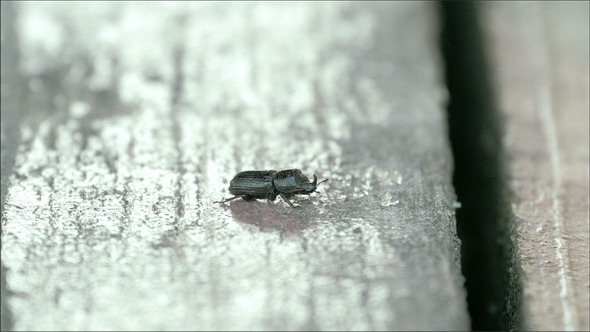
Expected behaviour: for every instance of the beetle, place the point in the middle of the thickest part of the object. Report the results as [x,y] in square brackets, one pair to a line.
[251,185]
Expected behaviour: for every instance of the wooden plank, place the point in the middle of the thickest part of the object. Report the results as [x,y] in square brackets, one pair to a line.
[11,99]
[540,56]
[142,113]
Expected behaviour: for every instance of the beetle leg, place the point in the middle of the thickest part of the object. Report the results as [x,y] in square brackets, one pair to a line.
[271,196]
[231,199]
[287,200]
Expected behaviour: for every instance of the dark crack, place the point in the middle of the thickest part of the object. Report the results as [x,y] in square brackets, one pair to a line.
[484,221]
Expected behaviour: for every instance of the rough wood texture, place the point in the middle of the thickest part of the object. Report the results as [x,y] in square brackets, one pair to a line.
[11,99]
[141,113]
[540,57]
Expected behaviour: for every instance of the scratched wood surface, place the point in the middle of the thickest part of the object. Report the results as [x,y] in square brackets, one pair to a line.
[137,116]
[540,54]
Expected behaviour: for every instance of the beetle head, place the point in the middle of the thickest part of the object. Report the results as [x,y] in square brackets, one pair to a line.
[311,186]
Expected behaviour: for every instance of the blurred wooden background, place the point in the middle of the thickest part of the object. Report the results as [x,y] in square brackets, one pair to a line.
[540,58]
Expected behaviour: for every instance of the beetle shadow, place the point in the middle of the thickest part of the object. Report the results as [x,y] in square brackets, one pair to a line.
[268,217]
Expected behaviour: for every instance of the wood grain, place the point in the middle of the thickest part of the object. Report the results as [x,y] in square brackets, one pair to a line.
[540,57]
[141,113]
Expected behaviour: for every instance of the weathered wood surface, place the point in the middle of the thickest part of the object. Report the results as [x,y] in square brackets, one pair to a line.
[540,53]
[139,114]
[11,95]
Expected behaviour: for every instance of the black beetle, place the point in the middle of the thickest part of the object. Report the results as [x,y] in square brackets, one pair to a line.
[251,185]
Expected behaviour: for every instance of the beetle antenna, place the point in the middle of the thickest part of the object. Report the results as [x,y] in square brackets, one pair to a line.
[321,182]
[315,180]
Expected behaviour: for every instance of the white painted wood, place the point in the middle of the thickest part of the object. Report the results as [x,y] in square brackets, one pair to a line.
[140,114]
